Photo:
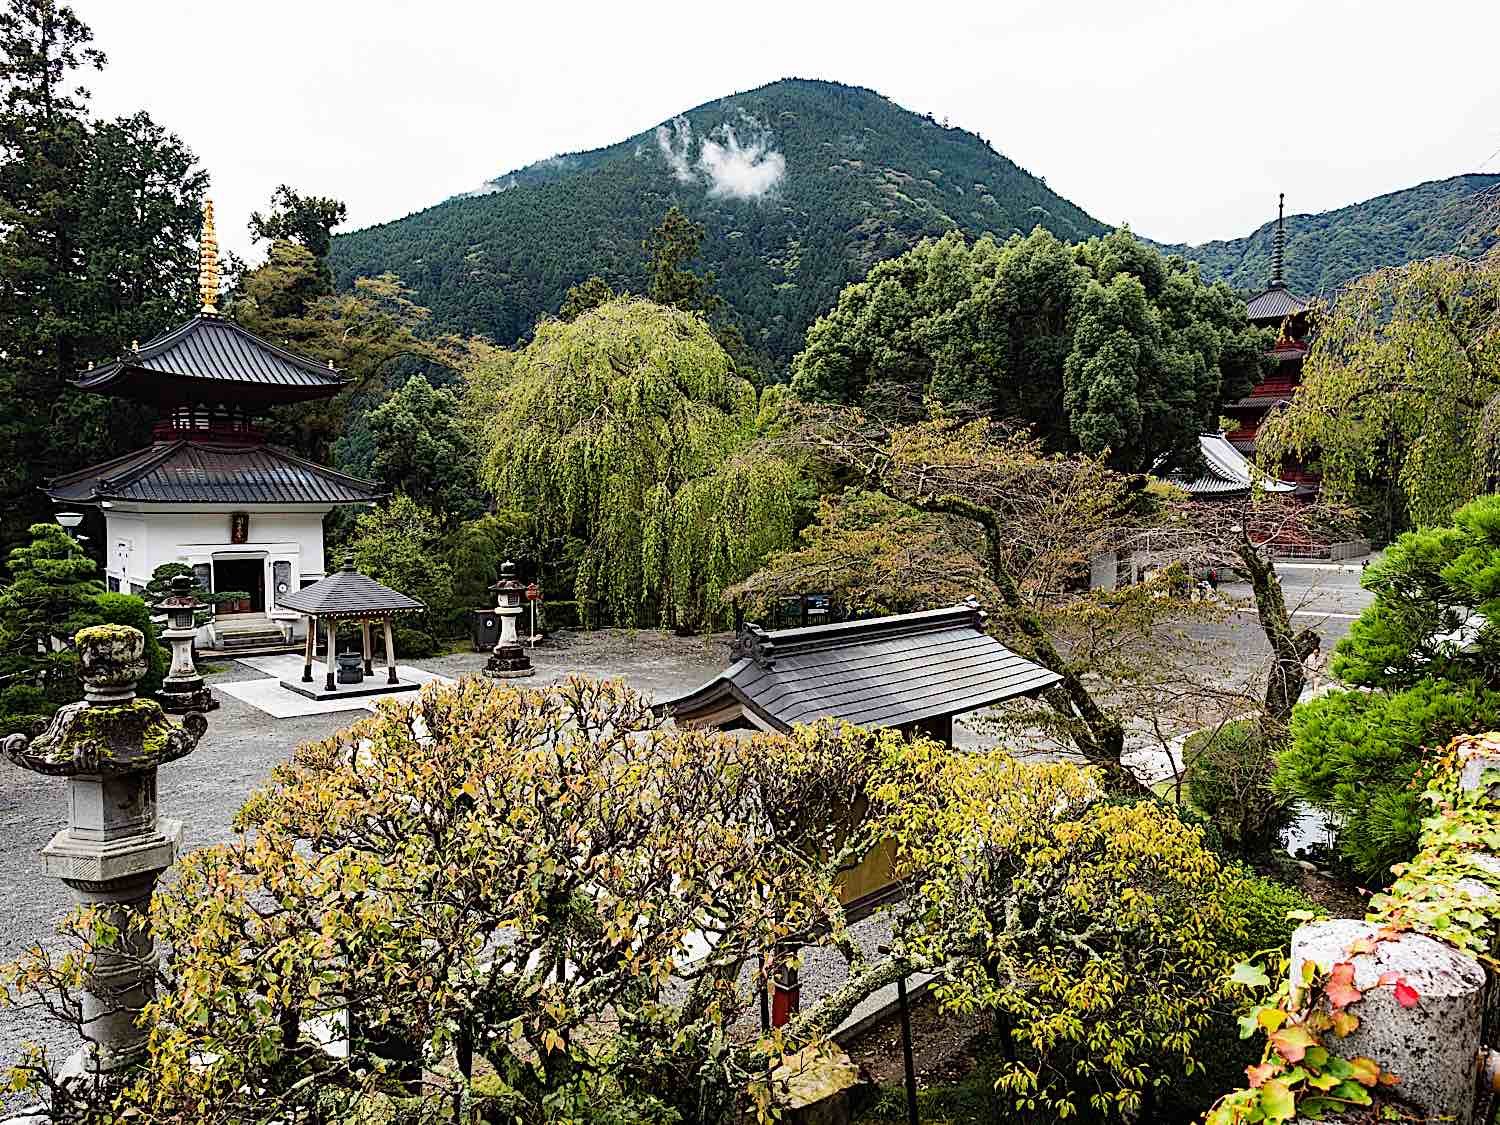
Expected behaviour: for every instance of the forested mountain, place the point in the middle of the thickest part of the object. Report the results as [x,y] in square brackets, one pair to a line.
[1326,250]
[801,185]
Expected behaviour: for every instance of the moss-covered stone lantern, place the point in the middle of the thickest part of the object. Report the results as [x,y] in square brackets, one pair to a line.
[109,746]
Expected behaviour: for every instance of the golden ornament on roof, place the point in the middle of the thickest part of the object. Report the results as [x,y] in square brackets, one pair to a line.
[208,261]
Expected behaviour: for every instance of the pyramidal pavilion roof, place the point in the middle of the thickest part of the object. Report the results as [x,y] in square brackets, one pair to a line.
[348,593]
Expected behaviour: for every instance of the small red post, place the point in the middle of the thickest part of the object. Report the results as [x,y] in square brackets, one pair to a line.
[786,997]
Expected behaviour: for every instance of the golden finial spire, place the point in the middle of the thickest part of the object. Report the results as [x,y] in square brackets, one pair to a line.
[208,260]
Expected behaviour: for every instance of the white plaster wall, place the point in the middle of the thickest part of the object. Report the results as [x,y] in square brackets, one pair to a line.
[139,542]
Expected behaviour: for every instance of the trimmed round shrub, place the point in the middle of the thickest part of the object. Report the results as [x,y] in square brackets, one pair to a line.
[1229,771]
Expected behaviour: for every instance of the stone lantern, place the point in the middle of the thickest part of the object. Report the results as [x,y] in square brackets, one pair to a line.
[183,689]
[108,747]
[508,660]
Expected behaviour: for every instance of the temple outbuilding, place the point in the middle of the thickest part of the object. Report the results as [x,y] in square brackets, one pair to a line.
[211,491]
[911,671]
[348,597]
[1227,473]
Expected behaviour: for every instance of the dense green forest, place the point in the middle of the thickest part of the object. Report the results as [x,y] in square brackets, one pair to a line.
[1328,250]
[861,180]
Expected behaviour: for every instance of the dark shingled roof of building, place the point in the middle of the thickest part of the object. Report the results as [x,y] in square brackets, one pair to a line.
[210,356]
[348,593]
[1226,472]
[881,672]
[206,472]
[1275,303]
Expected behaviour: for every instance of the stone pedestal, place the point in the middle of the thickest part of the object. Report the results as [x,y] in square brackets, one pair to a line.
[1433,1046]
[508,659]
[114,847]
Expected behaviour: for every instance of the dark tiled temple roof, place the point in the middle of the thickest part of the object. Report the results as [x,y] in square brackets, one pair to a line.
[1226,472]
[1275,303]
[348,593]
[883,672]
[1258,402]
[204,472]
[210,356]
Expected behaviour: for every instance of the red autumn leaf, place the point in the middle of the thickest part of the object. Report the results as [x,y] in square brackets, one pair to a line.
[1406,995]
[1364,1070]
[1260,1074]
[1291,1043]
[1341,991]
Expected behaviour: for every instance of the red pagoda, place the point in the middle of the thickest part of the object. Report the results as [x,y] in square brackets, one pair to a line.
[1279,308]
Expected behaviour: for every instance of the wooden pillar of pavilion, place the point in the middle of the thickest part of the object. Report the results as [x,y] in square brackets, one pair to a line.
[364,631]
[390,653]
[312,648]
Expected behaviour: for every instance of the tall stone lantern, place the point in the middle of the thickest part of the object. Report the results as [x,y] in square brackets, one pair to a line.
[108,747]
[183,689]
[508,659]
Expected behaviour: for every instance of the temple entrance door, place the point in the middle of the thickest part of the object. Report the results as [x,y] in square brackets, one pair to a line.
[248,575]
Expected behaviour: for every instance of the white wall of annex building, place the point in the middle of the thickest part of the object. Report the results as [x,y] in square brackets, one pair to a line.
[137,543]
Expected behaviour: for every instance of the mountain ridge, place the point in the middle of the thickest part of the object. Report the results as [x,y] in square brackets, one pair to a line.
[1326,249]
[801,186]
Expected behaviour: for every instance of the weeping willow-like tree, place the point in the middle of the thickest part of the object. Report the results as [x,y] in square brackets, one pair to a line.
[628,433]
[1400,399]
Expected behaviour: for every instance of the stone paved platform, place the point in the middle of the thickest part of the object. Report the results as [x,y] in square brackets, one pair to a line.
[270,696]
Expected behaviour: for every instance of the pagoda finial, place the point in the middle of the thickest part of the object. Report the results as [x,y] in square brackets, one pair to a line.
[1278,245]
[208,261]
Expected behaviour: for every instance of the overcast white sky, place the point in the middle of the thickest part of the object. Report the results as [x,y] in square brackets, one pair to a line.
[1181,117]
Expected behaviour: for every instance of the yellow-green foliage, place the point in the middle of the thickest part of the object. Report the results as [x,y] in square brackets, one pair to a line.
[628,430]
[428,868]
[1099,931]
[1396,401]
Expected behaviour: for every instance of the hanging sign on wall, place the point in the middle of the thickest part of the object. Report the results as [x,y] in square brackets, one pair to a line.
[239,527]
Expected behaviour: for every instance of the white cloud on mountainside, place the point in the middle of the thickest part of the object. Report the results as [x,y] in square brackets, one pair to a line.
[675,143]
[734,169]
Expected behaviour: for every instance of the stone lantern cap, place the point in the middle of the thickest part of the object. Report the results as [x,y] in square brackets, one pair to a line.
[110,732]
[181,596]
[509,578]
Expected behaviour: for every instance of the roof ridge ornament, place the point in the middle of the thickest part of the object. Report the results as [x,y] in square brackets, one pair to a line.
[208,261]
[753,643]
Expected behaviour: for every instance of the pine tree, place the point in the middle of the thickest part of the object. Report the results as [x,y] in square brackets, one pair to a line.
[50,597]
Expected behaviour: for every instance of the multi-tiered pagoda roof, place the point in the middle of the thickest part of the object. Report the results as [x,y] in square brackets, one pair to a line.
[1276,307]
[210,380]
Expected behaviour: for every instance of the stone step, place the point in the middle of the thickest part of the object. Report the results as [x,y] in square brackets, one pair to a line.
[280,648]
[244,638]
